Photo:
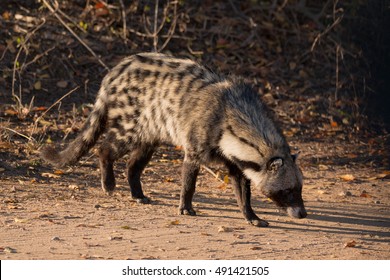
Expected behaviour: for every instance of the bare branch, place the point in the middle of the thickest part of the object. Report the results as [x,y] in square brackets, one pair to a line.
[124,21]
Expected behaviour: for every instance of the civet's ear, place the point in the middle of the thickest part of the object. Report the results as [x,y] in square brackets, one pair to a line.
[274,164]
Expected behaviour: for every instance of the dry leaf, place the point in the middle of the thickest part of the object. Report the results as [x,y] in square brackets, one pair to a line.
[74,187]
[226,179]
[20,220]
[174,223]
[350,244]
[224,229]
[59,172]
[384,175]
[11,112]
[347,177]
[351,155]
[127,227]
[255,248]
[62,84]
[38,85]
[50,175]
[303,74]
[44,122]
[323,167]
[365,194]
[5,145]
[39,109]
[6,15]
[99,5]
[292,65]
[222,43]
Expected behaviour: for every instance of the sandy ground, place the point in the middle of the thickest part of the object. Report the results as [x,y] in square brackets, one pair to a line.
[44,215]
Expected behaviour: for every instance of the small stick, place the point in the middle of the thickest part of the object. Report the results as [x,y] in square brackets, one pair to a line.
[38,56]
[18,133]
[212,173]
[155,37]
[171,29]
[48,109]
[337,72]
[72,21]
[337,21]
[123,20]
[55,103]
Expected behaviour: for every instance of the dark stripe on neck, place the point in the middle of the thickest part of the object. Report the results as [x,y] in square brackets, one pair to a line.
[242,164]
[243,140]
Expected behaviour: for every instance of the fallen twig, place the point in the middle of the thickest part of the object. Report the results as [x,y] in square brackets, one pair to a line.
[155,33]
[18,133]
[55,103]
[123,11]
[172,28]
[329,28]
[212,173]
[38,56]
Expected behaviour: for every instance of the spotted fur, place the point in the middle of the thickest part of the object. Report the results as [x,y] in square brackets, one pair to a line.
[151,98]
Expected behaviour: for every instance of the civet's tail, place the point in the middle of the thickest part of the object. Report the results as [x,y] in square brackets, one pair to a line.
[92,129]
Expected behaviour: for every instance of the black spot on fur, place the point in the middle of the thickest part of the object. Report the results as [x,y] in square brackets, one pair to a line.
[172,64]
[113,90]
[122,69]
[156,75]
[135,90]
[243,140]
[121,104]
[146,73]
[153,83]
[192,69]
[170,111]
[137,74]
[143,59]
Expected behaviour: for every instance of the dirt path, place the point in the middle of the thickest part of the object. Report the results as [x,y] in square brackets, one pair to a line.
[69,217]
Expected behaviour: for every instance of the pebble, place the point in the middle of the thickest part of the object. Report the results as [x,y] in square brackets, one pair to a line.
[111,238]
[345,193]
[224,229]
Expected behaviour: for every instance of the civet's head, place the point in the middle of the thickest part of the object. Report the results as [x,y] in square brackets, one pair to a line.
[253,142]
[282,183]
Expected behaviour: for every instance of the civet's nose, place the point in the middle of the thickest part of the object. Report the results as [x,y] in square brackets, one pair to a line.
[298,212]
